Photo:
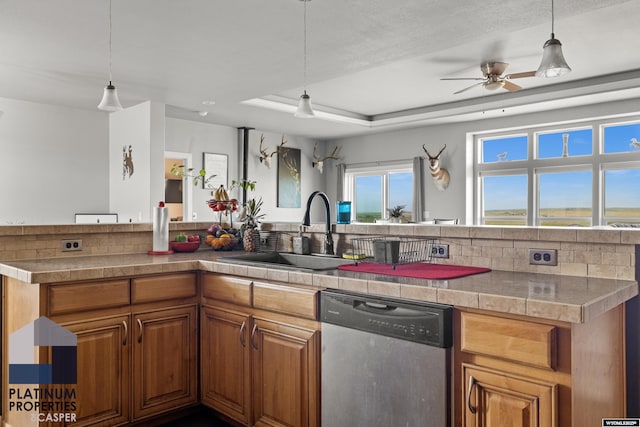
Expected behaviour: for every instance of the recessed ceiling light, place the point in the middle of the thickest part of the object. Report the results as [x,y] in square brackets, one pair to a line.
[203,113]
[208,102]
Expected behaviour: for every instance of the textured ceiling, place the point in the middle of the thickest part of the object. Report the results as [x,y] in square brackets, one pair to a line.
[379,61]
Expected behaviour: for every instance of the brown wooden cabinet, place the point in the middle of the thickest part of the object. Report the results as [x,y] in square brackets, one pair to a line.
[136,349]
[260,355]
[519,371]
[495,399]
[225,373]
[104,371]
[164,360]
[285,373]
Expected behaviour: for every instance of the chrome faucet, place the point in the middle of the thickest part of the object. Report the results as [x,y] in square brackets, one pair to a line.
[328,240]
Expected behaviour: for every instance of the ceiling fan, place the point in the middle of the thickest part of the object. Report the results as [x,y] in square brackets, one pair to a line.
[493,78]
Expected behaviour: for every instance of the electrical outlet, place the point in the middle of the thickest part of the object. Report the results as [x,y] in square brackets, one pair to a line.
[440,250]
[70,245]
[543,257]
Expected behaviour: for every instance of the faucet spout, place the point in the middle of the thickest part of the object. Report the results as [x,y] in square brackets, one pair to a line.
[328,240]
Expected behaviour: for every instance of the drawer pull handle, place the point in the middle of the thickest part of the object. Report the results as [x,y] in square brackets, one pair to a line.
[242,328]
[472,382]
[126,332]
[140,330]
[253,333]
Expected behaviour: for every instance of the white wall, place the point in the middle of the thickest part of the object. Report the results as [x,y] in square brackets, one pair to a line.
[53,162]
[406,144]
[142,128]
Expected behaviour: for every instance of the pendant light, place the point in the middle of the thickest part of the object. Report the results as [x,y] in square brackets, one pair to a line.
[553,63]
[304,105]
[110,101]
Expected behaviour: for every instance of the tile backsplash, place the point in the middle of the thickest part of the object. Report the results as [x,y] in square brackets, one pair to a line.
[604,253]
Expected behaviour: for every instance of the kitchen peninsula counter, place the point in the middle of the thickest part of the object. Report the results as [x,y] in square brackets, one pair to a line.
[555,297]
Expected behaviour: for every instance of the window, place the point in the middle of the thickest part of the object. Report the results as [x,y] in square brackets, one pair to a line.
[578,175]
[374,189]
[621,200]
[565,198]
[504,199]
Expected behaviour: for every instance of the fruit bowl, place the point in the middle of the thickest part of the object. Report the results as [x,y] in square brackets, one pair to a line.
[184,246]
[223,243]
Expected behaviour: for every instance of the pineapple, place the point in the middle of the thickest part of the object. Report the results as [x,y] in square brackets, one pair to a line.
[250,239]
[251,218]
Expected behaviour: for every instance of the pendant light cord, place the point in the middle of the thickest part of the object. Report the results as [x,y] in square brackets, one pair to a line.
[109,42]
[552,21]
[304,72]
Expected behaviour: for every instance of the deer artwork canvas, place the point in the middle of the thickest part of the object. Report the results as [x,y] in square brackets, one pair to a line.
[289,191]
[439,174]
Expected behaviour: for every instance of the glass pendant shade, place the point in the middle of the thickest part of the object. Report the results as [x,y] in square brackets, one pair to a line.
[110,101]
[553,63]
[304,107]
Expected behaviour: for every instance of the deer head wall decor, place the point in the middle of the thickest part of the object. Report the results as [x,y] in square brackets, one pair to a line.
[440,175]
[265,156]
[318,162]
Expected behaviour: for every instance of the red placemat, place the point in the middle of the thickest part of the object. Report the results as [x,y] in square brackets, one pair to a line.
[418,270]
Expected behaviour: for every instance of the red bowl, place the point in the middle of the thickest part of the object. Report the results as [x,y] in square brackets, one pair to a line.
[185,246]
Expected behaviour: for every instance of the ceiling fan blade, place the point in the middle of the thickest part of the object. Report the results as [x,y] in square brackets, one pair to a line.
[520,75]
[511,87]
[462,78]
[467,88]
[496,68]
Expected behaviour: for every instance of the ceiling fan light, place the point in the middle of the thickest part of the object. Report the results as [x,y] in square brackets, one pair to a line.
[553,63]
[110,101]
[304,110]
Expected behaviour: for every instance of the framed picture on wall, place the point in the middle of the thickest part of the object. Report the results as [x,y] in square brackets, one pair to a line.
[288,177]
[218,165]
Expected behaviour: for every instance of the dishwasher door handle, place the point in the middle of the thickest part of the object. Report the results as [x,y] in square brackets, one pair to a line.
[472,382]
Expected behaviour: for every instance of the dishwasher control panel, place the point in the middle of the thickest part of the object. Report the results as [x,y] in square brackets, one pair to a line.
[425,323]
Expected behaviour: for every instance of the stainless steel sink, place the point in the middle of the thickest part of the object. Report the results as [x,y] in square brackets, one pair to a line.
[286,261]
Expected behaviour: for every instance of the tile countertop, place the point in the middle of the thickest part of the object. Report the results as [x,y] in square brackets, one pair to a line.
[564,298]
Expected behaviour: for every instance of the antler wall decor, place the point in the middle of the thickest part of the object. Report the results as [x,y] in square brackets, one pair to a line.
[440,175]
[318,162]
[265,156]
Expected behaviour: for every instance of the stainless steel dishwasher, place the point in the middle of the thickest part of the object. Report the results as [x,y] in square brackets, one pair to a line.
[386,362]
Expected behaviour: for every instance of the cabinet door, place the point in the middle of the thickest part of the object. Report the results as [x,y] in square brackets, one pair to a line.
[285,375]
[225,371]
[164,358]
[103,373]
[494,398]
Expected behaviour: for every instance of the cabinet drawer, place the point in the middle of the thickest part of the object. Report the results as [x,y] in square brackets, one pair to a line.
[158,288]
[286,300]
[227,288]
[516,340]
[71,297]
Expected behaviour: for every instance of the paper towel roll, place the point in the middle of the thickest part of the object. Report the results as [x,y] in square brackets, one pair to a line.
[160,229]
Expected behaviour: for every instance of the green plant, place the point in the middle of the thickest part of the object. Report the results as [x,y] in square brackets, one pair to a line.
[252,217]
[396,211]
[201,176]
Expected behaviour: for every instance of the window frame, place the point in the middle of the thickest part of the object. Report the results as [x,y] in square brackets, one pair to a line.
[598,162]
[383,169]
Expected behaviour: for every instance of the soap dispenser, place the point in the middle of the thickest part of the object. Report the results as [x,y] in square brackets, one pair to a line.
[301,244]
